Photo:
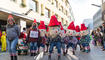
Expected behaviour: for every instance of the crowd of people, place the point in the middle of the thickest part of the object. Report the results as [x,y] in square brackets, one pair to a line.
[98,36]
[50,38]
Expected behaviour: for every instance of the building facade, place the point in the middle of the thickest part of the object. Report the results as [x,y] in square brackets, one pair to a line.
[103,10]
[88,23]
[97,19]
[25,11]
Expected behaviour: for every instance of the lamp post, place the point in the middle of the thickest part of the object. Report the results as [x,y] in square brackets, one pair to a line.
[96,5]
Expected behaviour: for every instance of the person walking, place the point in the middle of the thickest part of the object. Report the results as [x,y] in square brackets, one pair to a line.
[32,38]
[13,32]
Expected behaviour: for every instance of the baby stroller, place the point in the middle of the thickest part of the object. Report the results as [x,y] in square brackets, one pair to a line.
[22,48]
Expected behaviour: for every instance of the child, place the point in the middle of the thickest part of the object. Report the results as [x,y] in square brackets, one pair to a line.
[21,44]
[3,41]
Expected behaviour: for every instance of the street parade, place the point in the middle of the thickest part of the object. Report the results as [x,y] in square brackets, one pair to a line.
[52,29]
[50,37]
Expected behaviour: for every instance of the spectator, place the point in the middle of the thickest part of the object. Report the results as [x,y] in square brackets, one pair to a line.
[3,41]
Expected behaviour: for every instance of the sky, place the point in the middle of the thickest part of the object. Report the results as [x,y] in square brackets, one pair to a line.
[82,9]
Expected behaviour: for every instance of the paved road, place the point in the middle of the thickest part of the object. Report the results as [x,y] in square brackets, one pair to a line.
[95,54]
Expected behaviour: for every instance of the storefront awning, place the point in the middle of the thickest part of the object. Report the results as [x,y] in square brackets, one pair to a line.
[15,14]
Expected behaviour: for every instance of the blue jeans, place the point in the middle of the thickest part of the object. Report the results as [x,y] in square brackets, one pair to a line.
[63,46]
[12,45]
[71,45]
[104,44]
[33,46]
[57,44]
[41,45]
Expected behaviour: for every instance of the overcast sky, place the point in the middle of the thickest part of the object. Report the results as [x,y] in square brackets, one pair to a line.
[83,9]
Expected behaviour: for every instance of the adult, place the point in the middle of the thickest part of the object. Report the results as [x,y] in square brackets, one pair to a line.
[32,38]
[13,32]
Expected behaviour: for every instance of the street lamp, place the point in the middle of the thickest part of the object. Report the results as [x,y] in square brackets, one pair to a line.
[96,5]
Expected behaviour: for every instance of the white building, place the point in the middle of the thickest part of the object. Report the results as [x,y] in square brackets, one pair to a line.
[39,10]
[88,23]
[97,19]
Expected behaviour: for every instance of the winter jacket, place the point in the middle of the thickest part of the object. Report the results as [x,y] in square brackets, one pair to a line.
[12,32]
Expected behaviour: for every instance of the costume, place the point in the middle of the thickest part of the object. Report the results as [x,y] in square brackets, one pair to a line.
[62,34]
[85,39]
[3,41]
[55,38]
[72,40]
[33,37]
[21,44]
[77,29]
[42,40]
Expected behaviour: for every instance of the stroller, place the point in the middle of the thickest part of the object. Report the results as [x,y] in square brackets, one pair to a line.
[22,48]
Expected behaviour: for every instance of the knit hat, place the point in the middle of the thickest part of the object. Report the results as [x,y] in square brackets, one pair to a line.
[11,18]
[42,25]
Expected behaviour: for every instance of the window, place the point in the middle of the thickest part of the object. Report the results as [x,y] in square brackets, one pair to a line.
[57,4]
[66,3]
[33,5]
[23,3]
[62,21]
[47,12]
[103,1]
[62,8]
[42,9]
[49,0]
[66,12]
[13,0]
